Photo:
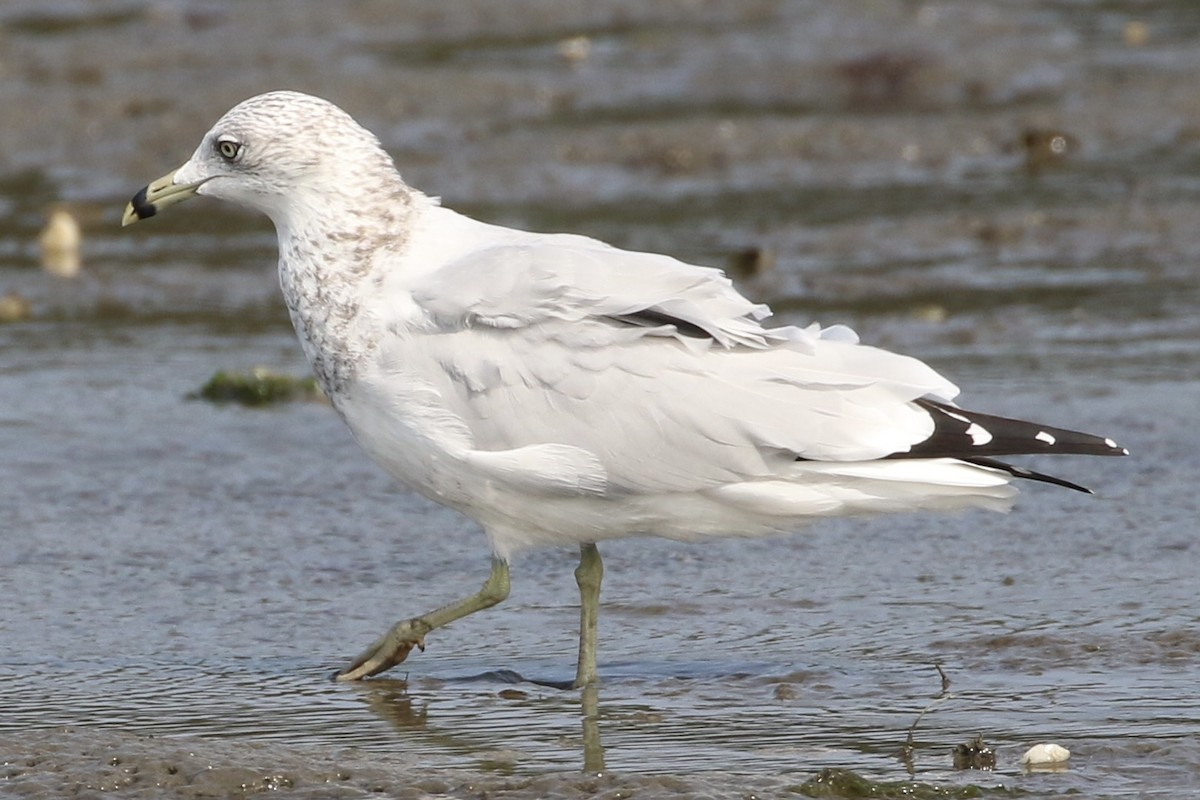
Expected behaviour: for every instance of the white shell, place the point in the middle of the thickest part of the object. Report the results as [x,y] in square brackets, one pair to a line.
[1041,754]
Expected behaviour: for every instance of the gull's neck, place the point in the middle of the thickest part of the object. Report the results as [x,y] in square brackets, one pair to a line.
[331,248]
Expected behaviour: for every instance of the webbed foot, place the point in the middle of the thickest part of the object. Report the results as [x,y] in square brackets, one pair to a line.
[391,649]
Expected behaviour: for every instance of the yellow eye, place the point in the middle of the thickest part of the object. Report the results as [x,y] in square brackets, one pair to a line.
[229,149]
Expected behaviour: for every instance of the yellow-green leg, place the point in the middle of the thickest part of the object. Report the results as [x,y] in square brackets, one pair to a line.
[593,748]
[395,645]
[588,575]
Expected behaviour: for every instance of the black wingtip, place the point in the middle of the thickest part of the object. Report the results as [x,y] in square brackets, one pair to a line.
[1027,474]
[960,433]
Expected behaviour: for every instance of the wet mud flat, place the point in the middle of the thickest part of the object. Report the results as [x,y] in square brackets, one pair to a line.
[1009,193]
[72,764]
[77,764]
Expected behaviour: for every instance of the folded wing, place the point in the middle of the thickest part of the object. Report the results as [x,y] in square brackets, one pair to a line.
[659,370]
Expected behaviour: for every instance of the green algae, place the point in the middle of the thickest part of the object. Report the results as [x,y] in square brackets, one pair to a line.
[844,783]
[257,387]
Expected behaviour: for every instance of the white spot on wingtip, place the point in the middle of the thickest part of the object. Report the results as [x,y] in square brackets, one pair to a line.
[1042,436]
[979,434]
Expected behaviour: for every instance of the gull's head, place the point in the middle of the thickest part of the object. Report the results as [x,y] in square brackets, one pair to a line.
[277,153]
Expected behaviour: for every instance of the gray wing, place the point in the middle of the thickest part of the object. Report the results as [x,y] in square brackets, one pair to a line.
[573,278]
[659,371]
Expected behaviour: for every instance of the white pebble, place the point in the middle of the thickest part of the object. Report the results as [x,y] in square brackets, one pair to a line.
[1043,754]
[60,241]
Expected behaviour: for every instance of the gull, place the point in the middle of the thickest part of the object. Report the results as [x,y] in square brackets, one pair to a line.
[561,391]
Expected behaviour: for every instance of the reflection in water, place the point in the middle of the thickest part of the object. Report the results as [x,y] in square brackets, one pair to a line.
[390,700]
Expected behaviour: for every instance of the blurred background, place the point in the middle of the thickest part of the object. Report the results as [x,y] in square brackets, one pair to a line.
[1009,191]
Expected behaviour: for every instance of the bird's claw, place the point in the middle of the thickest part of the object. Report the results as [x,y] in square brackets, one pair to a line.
[391,649]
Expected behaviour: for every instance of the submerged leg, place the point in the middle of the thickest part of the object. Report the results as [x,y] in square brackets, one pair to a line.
[396,644]
[588,575]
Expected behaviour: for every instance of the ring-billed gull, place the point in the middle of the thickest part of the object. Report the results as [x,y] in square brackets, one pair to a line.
[559,391]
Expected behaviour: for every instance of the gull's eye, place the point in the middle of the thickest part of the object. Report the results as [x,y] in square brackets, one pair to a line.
[229,149]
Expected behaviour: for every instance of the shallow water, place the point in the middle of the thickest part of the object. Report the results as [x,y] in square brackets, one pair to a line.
[180,579]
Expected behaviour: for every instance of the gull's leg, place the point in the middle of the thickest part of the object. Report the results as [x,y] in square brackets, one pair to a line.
[396,644]
[588,575]
[593,748]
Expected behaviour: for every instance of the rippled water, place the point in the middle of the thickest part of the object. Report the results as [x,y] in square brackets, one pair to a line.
[194,573]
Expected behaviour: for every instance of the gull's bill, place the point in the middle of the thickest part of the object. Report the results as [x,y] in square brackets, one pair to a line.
[157,195]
